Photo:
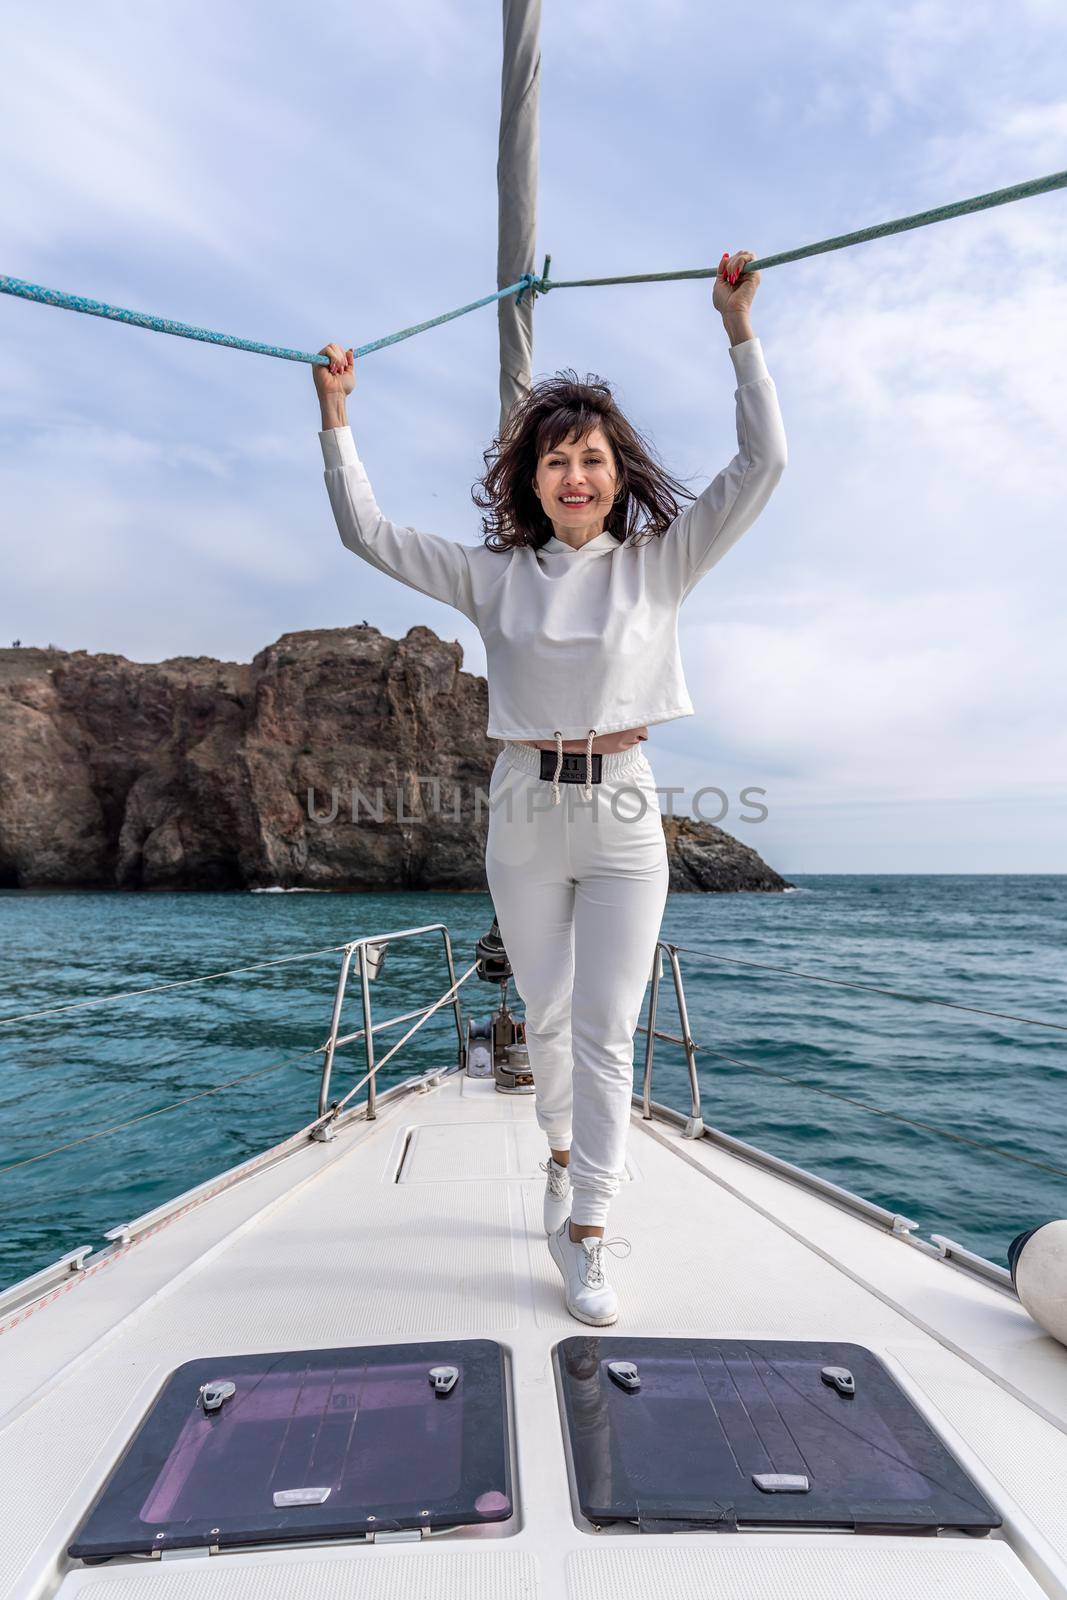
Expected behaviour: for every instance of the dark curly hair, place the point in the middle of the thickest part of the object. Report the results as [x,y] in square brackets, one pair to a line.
[555,409]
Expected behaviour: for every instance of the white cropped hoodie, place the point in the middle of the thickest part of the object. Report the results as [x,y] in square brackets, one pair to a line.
[578,642]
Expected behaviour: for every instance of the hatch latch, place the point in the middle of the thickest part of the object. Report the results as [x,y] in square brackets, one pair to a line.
[213,1395]
[782,1482]
[625,1374]
[301,1497]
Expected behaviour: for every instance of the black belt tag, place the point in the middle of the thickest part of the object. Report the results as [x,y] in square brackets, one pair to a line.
[573,768]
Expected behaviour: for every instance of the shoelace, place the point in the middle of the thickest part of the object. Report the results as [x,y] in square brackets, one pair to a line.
[594,1267]
[558,1178]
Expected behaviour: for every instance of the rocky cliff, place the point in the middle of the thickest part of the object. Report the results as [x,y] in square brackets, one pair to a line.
[337,759]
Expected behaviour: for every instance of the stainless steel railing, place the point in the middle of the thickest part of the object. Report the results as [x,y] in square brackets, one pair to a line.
[370,953]
[694,1126]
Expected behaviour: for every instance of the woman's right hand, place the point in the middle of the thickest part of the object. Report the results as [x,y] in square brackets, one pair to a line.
[339,378]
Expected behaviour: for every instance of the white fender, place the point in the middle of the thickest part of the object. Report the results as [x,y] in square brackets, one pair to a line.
[1038,1261]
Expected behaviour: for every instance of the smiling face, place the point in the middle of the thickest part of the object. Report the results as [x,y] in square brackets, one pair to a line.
[576,485]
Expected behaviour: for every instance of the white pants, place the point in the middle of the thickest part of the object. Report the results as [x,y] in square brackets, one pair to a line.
[579,890]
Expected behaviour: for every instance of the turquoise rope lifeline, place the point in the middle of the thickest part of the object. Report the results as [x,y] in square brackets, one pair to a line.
[541,285]
[920,219]
[144,319]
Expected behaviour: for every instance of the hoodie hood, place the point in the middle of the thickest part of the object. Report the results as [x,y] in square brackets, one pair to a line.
[603,544]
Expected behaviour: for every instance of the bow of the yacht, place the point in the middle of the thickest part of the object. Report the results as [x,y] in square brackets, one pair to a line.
[411,1240]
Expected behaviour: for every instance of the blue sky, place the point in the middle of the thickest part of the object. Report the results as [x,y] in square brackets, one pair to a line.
[882,652]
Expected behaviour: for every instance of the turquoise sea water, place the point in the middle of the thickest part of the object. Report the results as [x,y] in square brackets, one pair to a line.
[993,942]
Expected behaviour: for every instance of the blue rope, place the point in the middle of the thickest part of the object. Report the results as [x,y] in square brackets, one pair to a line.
[881,230]
[143,319]
[529,280]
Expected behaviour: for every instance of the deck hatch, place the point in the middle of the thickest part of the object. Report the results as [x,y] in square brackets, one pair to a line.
[311,1445]
[728,1433]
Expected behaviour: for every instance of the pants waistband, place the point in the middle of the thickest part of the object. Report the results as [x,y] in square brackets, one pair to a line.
[616,764]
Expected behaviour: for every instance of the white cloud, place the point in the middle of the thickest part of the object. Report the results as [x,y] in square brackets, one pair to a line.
[89,150]
[909,697]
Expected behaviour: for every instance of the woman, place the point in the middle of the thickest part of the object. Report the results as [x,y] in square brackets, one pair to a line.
[579,619]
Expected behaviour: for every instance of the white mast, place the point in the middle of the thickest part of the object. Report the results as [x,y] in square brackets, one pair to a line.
[516,176]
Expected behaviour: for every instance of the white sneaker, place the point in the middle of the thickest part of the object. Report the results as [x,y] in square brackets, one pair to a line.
[557,1193]
[588,1294]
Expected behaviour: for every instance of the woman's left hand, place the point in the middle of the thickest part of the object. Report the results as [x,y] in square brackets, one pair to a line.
[730,298]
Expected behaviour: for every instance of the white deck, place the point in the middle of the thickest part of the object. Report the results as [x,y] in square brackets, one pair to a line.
[327,1248]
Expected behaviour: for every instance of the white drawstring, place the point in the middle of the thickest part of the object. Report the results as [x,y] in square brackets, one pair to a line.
[559,768]
[587,787]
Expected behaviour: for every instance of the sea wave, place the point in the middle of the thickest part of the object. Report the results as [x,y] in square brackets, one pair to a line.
[276,888]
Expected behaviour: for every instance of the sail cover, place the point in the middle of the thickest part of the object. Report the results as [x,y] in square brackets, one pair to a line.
[516,176]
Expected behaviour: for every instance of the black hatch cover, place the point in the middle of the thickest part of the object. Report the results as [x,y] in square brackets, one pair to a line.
[677,1434]
[311,1444]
